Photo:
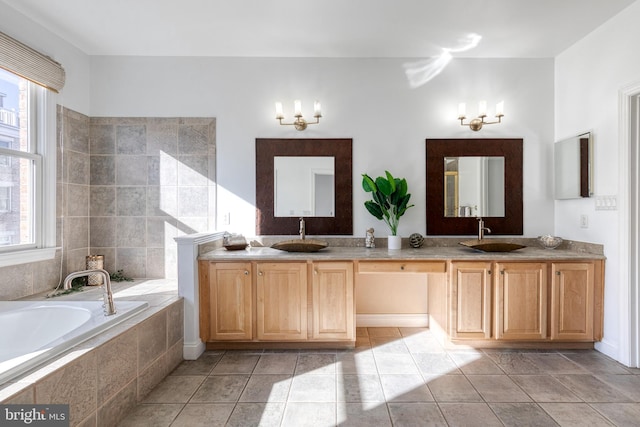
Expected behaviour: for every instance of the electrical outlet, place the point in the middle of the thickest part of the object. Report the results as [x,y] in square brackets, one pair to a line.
[584,221]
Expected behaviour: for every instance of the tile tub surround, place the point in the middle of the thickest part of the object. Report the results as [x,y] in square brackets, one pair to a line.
[151,179]
[124,188]
[105,377]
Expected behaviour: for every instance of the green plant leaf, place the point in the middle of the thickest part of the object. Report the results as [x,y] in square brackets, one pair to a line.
[373,208]
[402,187]
[392,181]
[367,183]
[384,186]
[403,205]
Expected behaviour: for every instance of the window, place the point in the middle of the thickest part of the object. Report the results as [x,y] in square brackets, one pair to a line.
[5,199]
[27,170]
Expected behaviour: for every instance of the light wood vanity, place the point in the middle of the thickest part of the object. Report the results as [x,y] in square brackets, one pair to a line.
[264,298]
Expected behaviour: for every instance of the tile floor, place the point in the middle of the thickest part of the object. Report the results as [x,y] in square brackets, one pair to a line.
[395,377]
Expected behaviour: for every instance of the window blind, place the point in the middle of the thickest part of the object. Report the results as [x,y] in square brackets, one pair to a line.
[30,64]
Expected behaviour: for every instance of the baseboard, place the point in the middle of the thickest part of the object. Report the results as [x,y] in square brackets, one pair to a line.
[191,351]
[610,349]
[420,320]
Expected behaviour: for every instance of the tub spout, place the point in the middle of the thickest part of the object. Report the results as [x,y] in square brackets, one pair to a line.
[109,306]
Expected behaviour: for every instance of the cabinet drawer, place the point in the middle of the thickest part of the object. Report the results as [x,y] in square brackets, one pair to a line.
[402,266]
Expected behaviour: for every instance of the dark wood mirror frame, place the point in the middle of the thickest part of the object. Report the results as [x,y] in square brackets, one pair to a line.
[340,149]
[438,149]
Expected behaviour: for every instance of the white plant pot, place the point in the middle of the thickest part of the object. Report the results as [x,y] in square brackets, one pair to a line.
[394,242]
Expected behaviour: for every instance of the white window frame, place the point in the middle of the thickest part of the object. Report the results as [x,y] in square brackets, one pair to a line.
[42,108]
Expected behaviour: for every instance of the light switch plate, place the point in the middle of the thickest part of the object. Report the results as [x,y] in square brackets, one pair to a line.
[606,203]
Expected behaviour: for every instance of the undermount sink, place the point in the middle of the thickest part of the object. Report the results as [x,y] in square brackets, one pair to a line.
[491,245]
[300,245]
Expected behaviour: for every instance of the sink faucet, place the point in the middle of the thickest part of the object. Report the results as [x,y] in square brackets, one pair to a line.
[482,228]
[302,228]
[109,306]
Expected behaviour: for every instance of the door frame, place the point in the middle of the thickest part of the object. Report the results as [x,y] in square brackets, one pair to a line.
[629,220]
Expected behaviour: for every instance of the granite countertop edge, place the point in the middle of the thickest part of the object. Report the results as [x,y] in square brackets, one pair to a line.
[425,253]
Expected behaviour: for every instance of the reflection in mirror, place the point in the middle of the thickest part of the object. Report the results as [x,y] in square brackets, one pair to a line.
[304,186]
[474,186]
[573,167]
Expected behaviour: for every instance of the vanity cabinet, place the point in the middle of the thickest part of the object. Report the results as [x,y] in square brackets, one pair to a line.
[333,304]
[572,301]
[526,301]
[521,301]
[281,301]
[471,292]
[226,301]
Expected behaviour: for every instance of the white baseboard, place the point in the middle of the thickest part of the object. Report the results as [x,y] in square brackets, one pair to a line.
[610,349]
[191,351]
[420,320]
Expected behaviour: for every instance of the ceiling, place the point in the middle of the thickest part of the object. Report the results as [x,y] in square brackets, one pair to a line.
[324,28]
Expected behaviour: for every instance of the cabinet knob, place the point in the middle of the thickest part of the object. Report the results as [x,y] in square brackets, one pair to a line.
[502,272]
[402,267]
[489,272]
[315,271]
[557,273]
[259,273]
[246,272]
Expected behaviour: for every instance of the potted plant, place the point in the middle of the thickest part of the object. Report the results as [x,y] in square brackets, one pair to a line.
[390,202]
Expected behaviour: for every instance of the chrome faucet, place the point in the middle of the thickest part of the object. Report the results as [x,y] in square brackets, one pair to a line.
[302,228]
[109,306]
[482,228]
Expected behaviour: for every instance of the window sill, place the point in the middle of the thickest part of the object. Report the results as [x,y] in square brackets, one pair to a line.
[28,256]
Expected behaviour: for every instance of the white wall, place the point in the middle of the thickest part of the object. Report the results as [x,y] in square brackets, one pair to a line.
[75,94]
[368,100]
[588,78]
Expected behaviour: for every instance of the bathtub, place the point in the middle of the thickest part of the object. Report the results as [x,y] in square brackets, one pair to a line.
[32,332]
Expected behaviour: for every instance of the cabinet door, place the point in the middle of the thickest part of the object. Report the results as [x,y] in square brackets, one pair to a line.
[229,302]
[521,301]
[281,301]
[471,300]
[572,291]
[332,301]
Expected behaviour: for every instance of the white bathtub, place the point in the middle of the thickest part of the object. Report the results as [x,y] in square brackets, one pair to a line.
[32,332]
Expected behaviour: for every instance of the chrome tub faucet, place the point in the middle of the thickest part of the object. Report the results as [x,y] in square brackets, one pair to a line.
[109,306]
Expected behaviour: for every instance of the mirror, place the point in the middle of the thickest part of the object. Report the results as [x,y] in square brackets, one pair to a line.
[325,195]
[473,186]
[494,171]
[304,186]
[573,167]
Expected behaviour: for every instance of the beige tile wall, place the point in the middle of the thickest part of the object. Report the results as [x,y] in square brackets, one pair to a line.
[152,179]
[125,188]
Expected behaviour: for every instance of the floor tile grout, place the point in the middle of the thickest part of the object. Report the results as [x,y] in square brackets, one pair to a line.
[524,374]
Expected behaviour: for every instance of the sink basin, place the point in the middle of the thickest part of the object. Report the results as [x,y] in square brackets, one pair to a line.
[491,245]
[299,245]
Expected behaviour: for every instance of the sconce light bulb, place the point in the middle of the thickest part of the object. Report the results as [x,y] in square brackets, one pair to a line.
[482,108]
[317,110]
[297,108]
[279,111]
[462,113]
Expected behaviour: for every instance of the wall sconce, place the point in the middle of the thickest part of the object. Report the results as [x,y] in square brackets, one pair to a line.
[476,124]
[299,122]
